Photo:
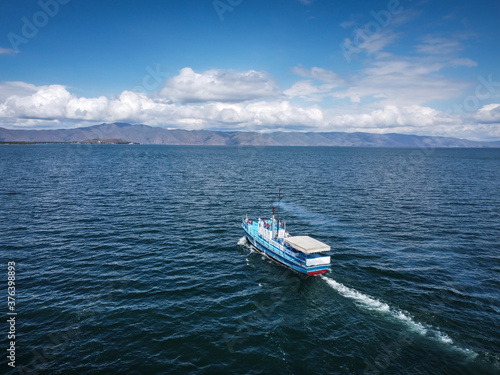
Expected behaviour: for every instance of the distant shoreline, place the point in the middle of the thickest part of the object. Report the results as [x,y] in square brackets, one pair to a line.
[85,142]
[32,143]
[122,133]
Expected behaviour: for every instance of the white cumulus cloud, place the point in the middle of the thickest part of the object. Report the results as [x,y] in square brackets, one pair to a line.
[219,85]
[489,113]
[391,116]
[54,106]
[46,102]
[49,106]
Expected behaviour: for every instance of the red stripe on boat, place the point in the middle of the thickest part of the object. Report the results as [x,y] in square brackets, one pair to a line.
[314,273]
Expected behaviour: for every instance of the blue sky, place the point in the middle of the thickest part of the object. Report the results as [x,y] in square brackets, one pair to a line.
[394,66]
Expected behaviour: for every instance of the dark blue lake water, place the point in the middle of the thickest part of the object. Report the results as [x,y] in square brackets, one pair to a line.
[130,260]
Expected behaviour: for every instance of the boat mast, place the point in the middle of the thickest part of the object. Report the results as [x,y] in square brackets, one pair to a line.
[280,197]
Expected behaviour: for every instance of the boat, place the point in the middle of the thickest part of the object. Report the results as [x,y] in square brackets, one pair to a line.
[302,254]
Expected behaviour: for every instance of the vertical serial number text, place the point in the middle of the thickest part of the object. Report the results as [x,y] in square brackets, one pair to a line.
[11,314]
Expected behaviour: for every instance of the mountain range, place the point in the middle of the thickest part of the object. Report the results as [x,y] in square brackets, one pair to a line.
[144,134]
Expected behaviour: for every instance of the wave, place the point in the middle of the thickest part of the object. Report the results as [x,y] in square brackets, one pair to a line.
[374,304]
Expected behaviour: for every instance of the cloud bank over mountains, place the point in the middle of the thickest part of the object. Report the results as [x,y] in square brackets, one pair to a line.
[251,100]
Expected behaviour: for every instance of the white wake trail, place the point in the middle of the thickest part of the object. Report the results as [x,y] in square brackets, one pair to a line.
[374,304]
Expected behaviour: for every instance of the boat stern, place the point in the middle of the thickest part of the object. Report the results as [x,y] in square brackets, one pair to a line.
[317,272]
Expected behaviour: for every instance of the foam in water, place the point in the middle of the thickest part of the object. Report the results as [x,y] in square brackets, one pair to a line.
[374,304]
[242,241]
[444,338]
[369,302]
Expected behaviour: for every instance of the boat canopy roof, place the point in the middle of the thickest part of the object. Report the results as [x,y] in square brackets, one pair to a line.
[306,244]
